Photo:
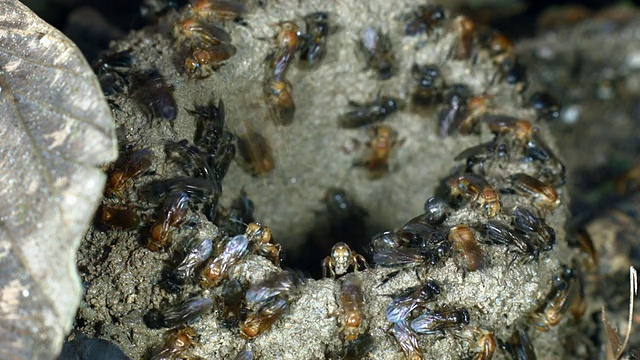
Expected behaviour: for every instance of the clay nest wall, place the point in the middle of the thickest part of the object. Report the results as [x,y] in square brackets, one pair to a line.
[123,279]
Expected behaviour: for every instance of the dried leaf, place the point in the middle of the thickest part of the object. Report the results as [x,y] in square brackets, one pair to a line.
[55,128]
[614,347]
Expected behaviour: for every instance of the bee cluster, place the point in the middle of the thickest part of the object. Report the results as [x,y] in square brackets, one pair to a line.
[214,276]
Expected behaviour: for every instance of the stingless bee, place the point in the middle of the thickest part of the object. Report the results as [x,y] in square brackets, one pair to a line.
[543,195]
[256,153]
[476,189]
[378,52]
[433,322]
[126,169]
[217,269]
[177,342]
[341,259]
[173,215]
[261,320]
[262,243]
[178,314]
[407,341]
[352,300]
[410,299]
[365,114]
[468,253]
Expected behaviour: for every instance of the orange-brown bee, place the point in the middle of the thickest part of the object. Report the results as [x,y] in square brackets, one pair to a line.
[567,294]
[475,188]
[201,62]
[118,217]
[521,129]
[211,10]
[256,153]
[580,238]
[280,100]
[378,52]
[261,320]
[382,139]
[177,342]
[198,33]
[217,269]
[407,341]
[341,259]
[502,52]
[173,214]
[126,169]
[485,343]
[262,243]
[468,253]
[544,195]
[352,300]
[475,107]
[465,28]
[287,42]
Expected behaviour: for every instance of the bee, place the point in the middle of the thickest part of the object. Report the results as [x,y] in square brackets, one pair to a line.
[425,19]
[485,343]
[198,33]
[475,107]
[517,77]
[352,299]
[365,114]
[537,150]
[212,10]
[477,155]
[183,312]
[197,252]
[112,70]
[341,259]
[526,222]
[403,258]
[154,95]
[201,62]
[217,269]
[126,169]
[284,284]
[261,320]
[476,189]
[580,238]
[232,302]
[520,346]
[436,322]
[173,214]
[262,243]
[378,52]
[256,153]
[545,105]
[288,41]
[419,232]
[465,29]
[280,100]
[469,254]
[567,294]
[118,217]
[521,129]
[412,298]
[502,52]
[435,210]
[544,195]
[430,86]
[314,45]
[454,110]
[244,355]
[210,125]
[500,233]
[191,159]
[382,139]
[406,340]
[176,343]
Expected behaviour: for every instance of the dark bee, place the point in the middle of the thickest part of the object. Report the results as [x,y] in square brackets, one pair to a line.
[197,252]
[256,153]
[352,299]
[520,346]
[537,150]
[476,189]
[468,253]
[406,340]
[112,71]
[341,259]
[154,95]
[402,258]
[567,294]
[284,284]
[501,234]
[517,77]
[259,237]
[314,44]
[118,217]
[477,155]
[217,269]
[176,343]
[379,55]
[365,114]
[382,139]
[425,19]
[191,159]
[181,313]
[232,302]
[464,47]
[201,62]
[521,129]
[545,105]
[412,298]
[430,86]
[437,321]
[173,214]
[261,320]
[435,210]
[280,101]
[212,10]
[527,222]
[454,110]
[544,195]
[127,168]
